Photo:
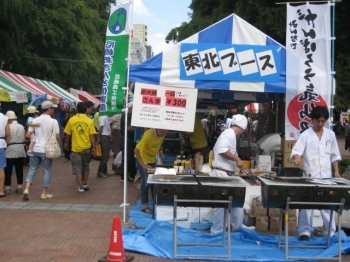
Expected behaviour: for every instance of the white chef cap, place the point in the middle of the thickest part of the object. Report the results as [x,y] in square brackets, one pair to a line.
[237,120]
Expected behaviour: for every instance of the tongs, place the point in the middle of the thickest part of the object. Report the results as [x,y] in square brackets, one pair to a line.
[305,173]
[250,175]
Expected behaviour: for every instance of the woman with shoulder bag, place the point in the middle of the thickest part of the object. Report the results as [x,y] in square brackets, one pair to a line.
[15,153]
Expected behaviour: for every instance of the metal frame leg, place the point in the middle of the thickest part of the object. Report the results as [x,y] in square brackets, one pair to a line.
[300,205]
[227,215]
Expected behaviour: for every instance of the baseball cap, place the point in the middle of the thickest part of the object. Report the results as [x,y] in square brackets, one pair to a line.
[47,104]
[130,104]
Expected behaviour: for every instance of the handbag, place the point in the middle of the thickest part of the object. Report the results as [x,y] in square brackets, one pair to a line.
[52,147]
[98,152]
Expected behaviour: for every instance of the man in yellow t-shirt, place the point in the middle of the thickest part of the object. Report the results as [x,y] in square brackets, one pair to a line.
[145,152]
[82,131]
[198,140]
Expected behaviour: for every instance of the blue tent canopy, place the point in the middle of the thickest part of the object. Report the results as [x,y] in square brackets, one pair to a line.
[163,69]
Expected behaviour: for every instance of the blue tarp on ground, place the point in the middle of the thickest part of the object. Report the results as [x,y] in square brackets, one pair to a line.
[246,245]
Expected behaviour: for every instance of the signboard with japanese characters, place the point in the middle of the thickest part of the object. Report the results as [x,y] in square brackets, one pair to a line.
[21,97]
[164,107]
[308,75]
[245,63]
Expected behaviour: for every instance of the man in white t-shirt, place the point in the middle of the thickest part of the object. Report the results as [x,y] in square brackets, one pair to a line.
[105,140]
[42,134]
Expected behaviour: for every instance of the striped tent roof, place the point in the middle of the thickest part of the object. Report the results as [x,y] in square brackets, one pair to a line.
[57,90]
[84,96]
[16,82]
[13,88]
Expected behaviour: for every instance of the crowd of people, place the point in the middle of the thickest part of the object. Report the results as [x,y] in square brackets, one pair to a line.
[82,133]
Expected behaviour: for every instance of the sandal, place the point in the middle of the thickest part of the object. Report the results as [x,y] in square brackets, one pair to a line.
[147,210]
[3,195]
[19,190]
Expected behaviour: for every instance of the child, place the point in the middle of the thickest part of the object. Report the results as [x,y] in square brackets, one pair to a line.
[32,113]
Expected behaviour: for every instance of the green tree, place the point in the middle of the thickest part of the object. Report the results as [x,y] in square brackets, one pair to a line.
[55,40]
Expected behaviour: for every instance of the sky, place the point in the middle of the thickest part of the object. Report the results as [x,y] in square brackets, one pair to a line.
[160,16]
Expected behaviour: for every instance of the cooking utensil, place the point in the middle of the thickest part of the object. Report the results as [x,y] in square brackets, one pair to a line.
[250,175]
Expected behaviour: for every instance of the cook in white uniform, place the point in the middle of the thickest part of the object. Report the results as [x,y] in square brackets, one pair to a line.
[226,162]
[319,149]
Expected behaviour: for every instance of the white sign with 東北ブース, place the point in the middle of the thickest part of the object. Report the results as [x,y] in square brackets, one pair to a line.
[171,108]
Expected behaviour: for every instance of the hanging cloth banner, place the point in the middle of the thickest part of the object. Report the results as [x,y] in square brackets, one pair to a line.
[308,60]
[115,63]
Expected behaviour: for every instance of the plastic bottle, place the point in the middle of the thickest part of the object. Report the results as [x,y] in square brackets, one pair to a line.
[211,158]
[279,158]
[200,162]
[178,160]
[196,162]
[273,154]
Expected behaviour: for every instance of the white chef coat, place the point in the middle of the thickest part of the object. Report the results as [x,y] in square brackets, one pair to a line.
[318,155]
[226,142]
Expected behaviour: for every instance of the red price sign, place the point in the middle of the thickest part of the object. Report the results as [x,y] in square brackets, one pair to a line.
[176,102]
[148,92]
[151,100]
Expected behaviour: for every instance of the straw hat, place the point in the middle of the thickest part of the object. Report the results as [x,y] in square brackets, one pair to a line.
[32,110]
[11,115]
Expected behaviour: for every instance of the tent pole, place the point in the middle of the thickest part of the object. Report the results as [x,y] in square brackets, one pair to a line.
[332,69]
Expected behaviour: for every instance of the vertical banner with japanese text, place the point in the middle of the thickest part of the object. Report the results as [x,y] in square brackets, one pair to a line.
[115,58]
[308,66]
[164,107]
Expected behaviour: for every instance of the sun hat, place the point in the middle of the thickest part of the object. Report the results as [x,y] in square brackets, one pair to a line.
[11,115]
[32,110]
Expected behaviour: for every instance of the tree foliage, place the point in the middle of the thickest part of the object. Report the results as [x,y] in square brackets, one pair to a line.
[270,18]
[55,40]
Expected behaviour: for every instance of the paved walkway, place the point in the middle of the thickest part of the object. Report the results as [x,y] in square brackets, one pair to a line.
[70,226]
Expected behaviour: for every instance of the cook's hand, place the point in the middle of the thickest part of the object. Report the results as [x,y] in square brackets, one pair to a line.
[239,163]
[336,174]
[297,161]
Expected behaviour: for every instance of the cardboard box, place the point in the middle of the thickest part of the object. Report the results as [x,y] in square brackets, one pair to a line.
[262,223]
[287,145]
[258,209]
[274,223]
[264,163]
[275,212]
[292,224]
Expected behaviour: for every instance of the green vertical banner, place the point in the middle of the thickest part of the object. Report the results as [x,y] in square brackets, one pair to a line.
[115,59]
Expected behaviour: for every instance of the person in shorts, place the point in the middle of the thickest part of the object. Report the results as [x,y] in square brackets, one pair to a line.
[80,129]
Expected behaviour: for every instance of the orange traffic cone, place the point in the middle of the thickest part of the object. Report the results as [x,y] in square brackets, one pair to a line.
[116,248]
